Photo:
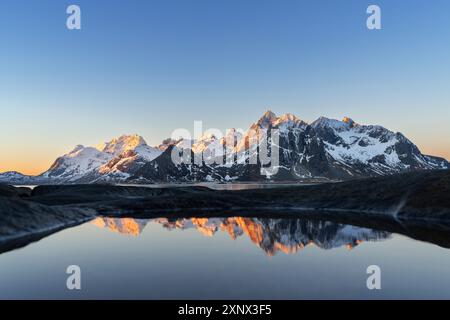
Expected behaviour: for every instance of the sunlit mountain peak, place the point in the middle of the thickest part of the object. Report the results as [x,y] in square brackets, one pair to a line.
[122,144]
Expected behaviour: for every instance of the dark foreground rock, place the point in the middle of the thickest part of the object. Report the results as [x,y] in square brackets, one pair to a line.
[419,195]
[421,198]
[25,221]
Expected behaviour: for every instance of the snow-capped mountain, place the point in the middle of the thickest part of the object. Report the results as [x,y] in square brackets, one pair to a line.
[361,150]
[76,164]
[112,161]
[15,177]
[325,149]
[129,154]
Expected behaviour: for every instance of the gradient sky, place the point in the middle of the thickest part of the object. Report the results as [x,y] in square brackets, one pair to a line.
[149,67]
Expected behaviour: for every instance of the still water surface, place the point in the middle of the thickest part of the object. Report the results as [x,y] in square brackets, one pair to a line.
[224,258]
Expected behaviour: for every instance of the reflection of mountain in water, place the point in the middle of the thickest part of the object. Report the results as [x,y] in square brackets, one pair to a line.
[127,226]
[271,235]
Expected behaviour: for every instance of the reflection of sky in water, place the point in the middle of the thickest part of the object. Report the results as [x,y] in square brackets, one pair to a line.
[238,258]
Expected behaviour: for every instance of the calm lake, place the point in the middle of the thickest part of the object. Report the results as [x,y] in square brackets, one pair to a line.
[225,258]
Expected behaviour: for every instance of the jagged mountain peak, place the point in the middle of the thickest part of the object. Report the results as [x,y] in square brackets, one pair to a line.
[77,148]
[266,119]
[288,120]
[233,135]
[76,164]
[270,119]
[349,121]
[324,149]
[324,122]
[116,157]
[167,143]
[82,151]
[129,152]
[288,117]
[207,136]
[269,114]
[122,144]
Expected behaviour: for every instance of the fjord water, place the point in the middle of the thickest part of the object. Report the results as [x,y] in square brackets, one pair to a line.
[224,258]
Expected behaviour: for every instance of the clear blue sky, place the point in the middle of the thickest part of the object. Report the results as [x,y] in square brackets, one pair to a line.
[149,67]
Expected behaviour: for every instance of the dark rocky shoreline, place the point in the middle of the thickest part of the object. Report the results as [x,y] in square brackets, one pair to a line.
[412,204]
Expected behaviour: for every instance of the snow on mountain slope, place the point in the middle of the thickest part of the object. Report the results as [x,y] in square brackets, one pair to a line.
[326,149]
[258,131]
[147,153]
[362,143]
[125,163]
[77,163]
[8,176]
[211,146]
[217,146]
[232,137]
[111,160]
[118,146]
[371,148]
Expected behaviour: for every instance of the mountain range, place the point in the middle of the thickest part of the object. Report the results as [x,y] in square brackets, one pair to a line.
[325,149]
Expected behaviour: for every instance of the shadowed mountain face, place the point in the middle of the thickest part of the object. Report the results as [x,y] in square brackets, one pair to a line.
[325,149]
[271,235]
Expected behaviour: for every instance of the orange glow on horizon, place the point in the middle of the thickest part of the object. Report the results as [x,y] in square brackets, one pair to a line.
[37,164]
[26,168]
